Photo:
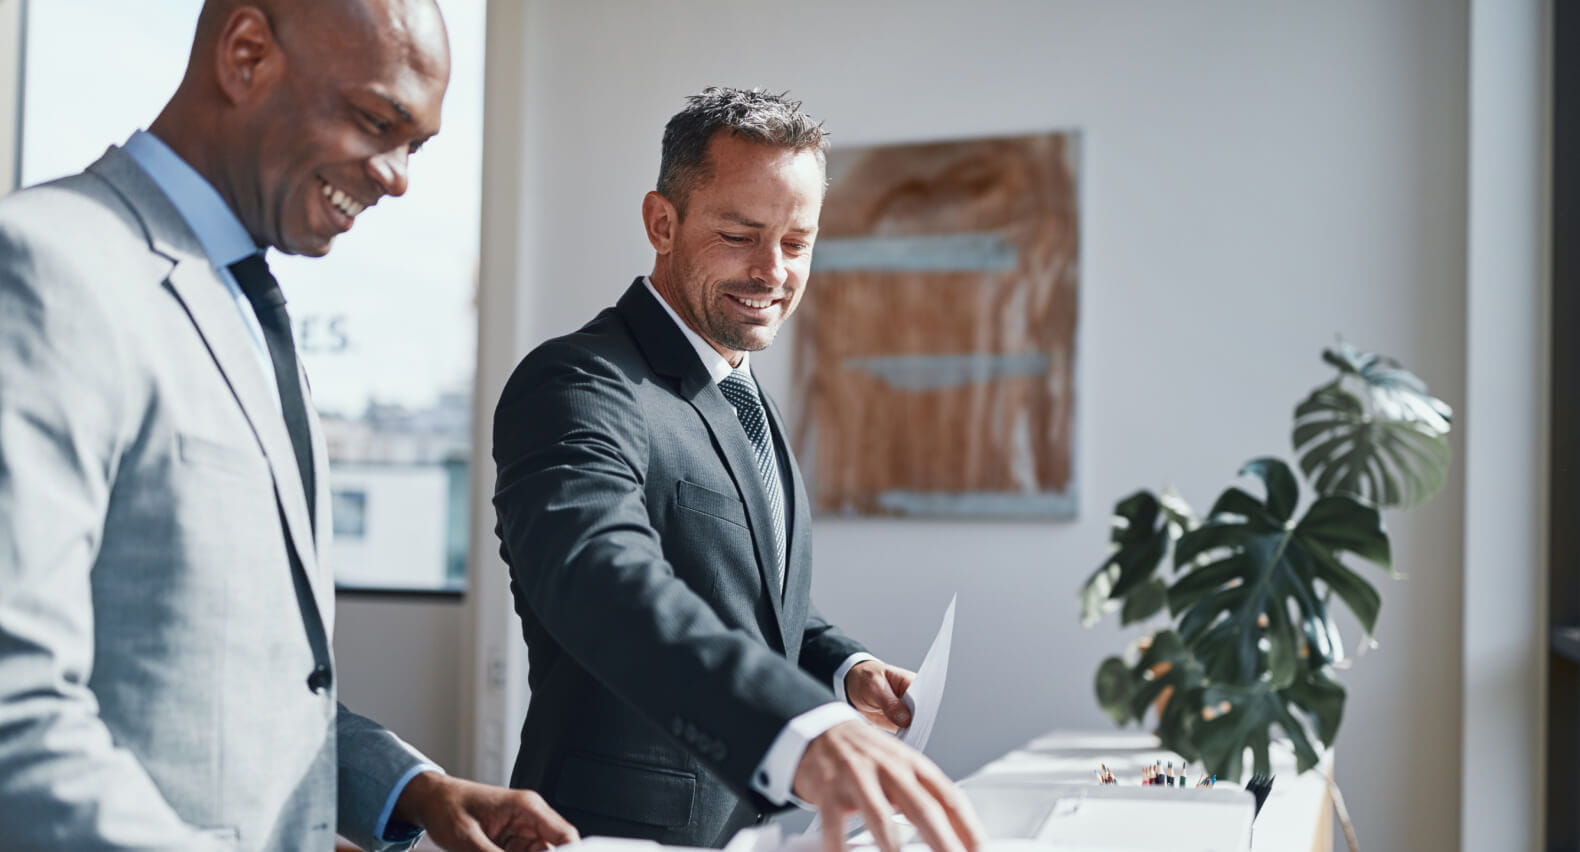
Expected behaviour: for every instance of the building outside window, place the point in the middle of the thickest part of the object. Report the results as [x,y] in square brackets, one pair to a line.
[350,513]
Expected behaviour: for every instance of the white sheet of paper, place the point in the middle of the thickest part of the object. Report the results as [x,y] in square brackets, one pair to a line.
[927,691]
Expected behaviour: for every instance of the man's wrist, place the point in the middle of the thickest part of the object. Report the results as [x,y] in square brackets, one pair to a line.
[775,776]
[421,790]
[840,673]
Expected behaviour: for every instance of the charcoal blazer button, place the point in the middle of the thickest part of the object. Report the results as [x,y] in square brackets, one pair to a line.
[319,679]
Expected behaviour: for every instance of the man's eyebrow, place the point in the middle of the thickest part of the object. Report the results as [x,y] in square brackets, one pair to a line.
[751,223]
[400,109]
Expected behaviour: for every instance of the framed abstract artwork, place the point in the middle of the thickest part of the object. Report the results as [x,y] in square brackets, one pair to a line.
[935,354]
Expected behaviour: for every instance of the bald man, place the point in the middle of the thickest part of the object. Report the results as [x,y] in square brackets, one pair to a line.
[166,679]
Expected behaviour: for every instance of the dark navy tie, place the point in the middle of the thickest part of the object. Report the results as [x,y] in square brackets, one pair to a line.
[263,291]
[741,392]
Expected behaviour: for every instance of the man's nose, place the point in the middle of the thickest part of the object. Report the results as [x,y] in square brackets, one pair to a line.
[389,170]
[768,265]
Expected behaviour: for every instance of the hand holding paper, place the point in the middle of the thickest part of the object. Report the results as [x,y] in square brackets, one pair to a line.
[875,689]
[901,701]
[854,770]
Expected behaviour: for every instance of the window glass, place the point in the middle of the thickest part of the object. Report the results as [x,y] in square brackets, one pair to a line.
[386,323]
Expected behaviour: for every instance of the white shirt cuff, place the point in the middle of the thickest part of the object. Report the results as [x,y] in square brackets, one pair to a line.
[844,669]
[776,774]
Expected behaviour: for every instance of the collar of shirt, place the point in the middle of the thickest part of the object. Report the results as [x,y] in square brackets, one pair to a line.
[223,238]
[717,366]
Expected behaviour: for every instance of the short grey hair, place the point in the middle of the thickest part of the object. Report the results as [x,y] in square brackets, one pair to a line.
[756,115]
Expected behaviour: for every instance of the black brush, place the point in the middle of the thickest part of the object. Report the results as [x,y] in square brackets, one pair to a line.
[1259,786]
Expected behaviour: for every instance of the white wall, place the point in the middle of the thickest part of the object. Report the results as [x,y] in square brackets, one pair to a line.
[1258,178]
[397,659]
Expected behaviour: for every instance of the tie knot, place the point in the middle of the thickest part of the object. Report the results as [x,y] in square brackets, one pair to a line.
[740,390]
[258,283]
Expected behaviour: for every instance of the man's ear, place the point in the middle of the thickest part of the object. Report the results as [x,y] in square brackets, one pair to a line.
[247,59]
[661,220]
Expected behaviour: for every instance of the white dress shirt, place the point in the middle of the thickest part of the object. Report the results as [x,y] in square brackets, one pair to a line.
[776,773]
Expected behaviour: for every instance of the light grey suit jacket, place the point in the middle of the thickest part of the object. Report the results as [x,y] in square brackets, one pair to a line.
[162,599]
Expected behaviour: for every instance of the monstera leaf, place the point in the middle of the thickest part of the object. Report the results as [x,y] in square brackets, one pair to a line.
[1233,718]
[1144,527]
[1250,600]
[1165,669]
[1319,696]
[1214,723]
[1375,432]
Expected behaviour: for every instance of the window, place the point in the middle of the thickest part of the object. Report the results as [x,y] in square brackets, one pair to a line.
[386,324]
[350,513]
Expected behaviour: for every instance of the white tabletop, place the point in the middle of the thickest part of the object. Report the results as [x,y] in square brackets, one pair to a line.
[1296,817]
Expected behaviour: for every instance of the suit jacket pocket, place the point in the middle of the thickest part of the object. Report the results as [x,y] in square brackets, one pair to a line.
[209,453]
[652,795]
[709,502]
[221,838]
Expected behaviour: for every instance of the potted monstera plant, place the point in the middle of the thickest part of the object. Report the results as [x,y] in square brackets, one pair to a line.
[1250,644]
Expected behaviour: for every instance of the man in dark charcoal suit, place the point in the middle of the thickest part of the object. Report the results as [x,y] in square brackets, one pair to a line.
[658,538]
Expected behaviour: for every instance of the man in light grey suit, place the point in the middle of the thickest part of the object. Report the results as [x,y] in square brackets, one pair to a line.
[166,679]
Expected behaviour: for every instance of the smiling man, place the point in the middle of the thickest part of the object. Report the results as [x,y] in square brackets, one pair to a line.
[166,680]
[658,534]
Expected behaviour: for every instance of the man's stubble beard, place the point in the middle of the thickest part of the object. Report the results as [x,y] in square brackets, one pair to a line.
[717,327]
[733,335]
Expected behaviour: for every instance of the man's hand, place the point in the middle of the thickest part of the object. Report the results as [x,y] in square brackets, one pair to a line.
[875,688]
[471,817]
[852,768]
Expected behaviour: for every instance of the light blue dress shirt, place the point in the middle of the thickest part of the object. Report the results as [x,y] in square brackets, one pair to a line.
[225,240]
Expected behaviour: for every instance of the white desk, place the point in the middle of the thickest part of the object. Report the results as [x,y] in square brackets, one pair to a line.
[1024,783]
[1296,817]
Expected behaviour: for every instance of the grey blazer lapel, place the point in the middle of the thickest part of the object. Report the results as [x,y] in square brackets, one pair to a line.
[324,591]
[670,354]
[213,313]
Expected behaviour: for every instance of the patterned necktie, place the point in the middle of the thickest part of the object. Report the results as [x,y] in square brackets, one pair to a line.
[741,392]
[268,303]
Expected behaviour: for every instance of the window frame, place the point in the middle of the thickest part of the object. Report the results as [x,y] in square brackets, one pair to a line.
[1561,739]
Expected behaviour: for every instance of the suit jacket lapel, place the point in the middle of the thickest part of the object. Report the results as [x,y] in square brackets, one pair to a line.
[195,285]
[324,591]
[670,354]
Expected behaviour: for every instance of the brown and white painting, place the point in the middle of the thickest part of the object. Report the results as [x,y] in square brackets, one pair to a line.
[935,354]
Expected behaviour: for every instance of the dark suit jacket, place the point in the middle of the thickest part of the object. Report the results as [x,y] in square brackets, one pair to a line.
[663,663]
